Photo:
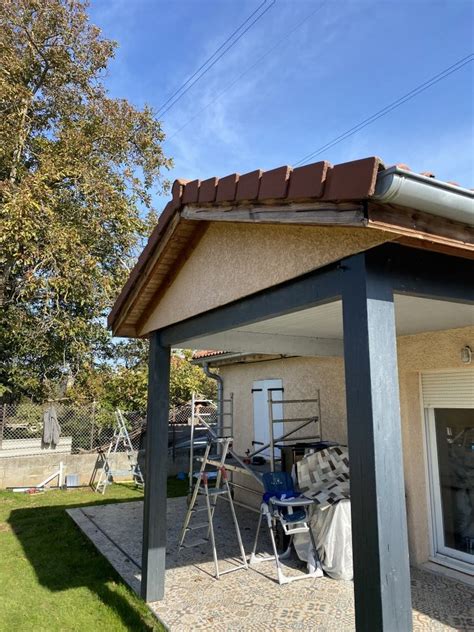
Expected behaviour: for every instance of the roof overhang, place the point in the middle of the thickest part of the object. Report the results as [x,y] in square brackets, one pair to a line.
[420,210]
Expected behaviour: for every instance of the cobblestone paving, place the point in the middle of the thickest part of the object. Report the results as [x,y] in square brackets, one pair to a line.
[248,600]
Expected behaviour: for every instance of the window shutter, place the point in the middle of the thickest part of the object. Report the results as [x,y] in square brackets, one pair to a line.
[450,389]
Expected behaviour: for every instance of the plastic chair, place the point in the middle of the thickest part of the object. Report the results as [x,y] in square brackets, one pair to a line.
[282,503]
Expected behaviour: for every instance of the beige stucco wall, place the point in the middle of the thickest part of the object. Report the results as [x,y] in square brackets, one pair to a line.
[416,354]
[303,376]
[235,260]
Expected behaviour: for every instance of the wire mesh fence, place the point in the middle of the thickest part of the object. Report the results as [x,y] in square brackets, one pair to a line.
[84,428]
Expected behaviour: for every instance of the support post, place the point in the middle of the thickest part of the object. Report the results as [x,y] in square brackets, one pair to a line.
[154,513]
[379,527]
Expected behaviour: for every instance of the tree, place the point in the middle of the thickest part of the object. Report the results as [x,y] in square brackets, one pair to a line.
[125,385]
[186,378]
[77,169]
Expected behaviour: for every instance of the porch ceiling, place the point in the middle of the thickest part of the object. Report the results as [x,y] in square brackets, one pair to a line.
[319,330]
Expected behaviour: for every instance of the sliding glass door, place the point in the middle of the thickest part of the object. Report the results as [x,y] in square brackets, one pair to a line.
[450,433]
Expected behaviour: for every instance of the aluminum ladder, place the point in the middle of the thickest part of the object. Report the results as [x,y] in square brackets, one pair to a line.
[120,438]
[211,494]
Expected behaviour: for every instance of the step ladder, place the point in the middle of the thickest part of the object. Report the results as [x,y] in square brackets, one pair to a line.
[211,494]
[121,438]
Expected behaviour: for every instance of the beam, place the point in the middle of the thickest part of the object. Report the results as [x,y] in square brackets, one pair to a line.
[421,226]
[256,342]
[413,272]
[315,288]
[154,512]
[425,274]
[379,527]
[312,213]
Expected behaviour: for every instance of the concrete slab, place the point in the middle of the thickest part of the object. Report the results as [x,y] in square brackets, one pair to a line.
[249,600]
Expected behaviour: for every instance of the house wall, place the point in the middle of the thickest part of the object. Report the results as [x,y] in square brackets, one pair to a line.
[236,260]
[303,376]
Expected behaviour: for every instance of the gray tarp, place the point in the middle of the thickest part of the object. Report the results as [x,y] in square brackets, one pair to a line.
[324,477]
[332,532]
[51,427]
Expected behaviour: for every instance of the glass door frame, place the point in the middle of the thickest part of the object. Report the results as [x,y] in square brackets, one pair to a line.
[442,553]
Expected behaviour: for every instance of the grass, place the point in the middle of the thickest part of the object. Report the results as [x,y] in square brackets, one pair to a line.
[52,577]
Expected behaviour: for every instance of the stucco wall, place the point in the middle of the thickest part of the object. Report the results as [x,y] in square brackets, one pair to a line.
[303,376]
[416,354]
[235,260]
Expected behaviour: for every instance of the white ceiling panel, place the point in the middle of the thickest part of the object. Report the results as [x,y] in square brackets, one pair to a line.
[316,331]
[413,315]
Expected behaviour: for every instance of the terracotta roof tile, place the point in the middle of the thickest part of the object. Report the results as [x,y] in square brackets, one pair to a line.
[191,192]
[274,183]
[352,180]
[227,188]
[198,355]
[248,186]
[177,190]
[308,181]
[207,190]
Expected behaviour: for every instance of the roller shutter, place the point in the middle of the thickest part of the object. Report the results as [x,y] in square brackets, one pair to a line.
[450,389]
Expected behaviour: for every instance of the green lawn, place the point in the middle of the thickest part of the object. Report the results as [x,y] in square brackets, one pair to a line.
[51,576]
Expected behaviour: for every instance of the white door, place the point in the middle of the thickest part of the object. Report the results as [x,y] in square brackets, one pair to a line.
[261,423]
[449,412]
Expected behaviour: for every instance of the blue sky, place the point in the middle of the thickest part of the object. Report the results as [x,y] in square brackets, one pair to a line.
[345,62]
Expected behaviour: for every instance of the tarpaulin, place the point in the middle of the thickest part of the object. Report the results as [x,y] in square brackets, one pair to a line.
[324,477]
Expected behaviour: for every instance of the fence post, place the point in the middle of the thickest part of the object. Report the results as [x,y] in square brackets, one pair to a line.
[174,433]
[4,414]
[93,425]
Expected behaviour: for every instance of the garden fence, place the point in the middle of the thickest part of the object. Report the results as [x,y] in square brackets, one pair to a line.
[84,428]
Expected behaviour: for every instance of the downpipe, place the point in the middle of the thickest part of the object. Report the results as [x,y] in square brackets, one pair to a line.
[220,396]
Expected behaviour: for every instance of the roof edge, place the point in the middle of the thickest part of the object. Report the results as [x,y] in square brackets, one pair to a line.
[357,180]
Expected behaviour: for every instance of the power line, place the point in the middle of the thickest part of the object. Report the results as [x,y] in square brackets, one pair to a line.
[245,72]
[190,85]
[211,57]
[388,108]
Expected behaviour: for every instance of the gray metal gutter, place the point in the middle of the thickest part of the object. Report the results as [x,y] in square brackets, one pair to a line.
[406,188]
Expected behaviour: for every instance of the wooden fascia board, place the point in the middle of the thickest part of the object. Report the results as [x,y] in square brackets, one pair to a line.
[425,244]
[422,227]
[200,229]
[121,325]
[312,213]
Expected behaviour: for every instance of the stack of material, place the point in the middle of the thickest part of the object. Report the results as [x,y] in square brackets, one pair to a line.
[324,477]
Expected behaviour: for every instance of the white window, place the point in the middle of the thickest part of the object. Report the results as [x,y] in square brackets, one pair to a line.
[448,399]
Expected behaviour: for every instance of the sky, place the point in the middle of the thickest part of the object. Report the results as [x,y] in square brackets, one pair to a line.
[304,73]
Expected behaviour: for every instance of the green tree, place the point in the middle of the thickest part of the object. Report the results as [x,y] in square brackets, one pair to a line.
[186,378]
[125,385]
[77,169]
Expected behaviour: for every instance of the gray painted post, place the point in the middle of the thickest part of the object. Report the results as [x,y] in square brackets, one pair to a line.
[379,528]
[154,512]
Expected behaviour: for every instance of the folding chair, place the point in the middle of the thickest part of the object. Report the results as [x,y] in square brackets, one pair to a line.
[282,504]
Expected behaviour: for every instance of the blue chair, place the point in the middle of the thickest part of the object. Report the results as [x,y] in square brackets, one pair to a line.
[281,503]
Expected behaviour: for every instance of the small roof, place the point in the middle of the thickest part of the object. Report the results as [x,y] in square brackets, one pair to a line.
[201,355]
[353,181]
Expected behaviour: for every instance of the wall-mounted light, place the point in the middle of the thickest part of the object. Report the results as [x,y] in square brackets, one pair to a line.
[466,354]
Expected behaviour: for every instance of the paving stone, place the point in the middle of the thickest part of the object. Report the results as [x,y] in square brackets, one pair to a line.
[252,599]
